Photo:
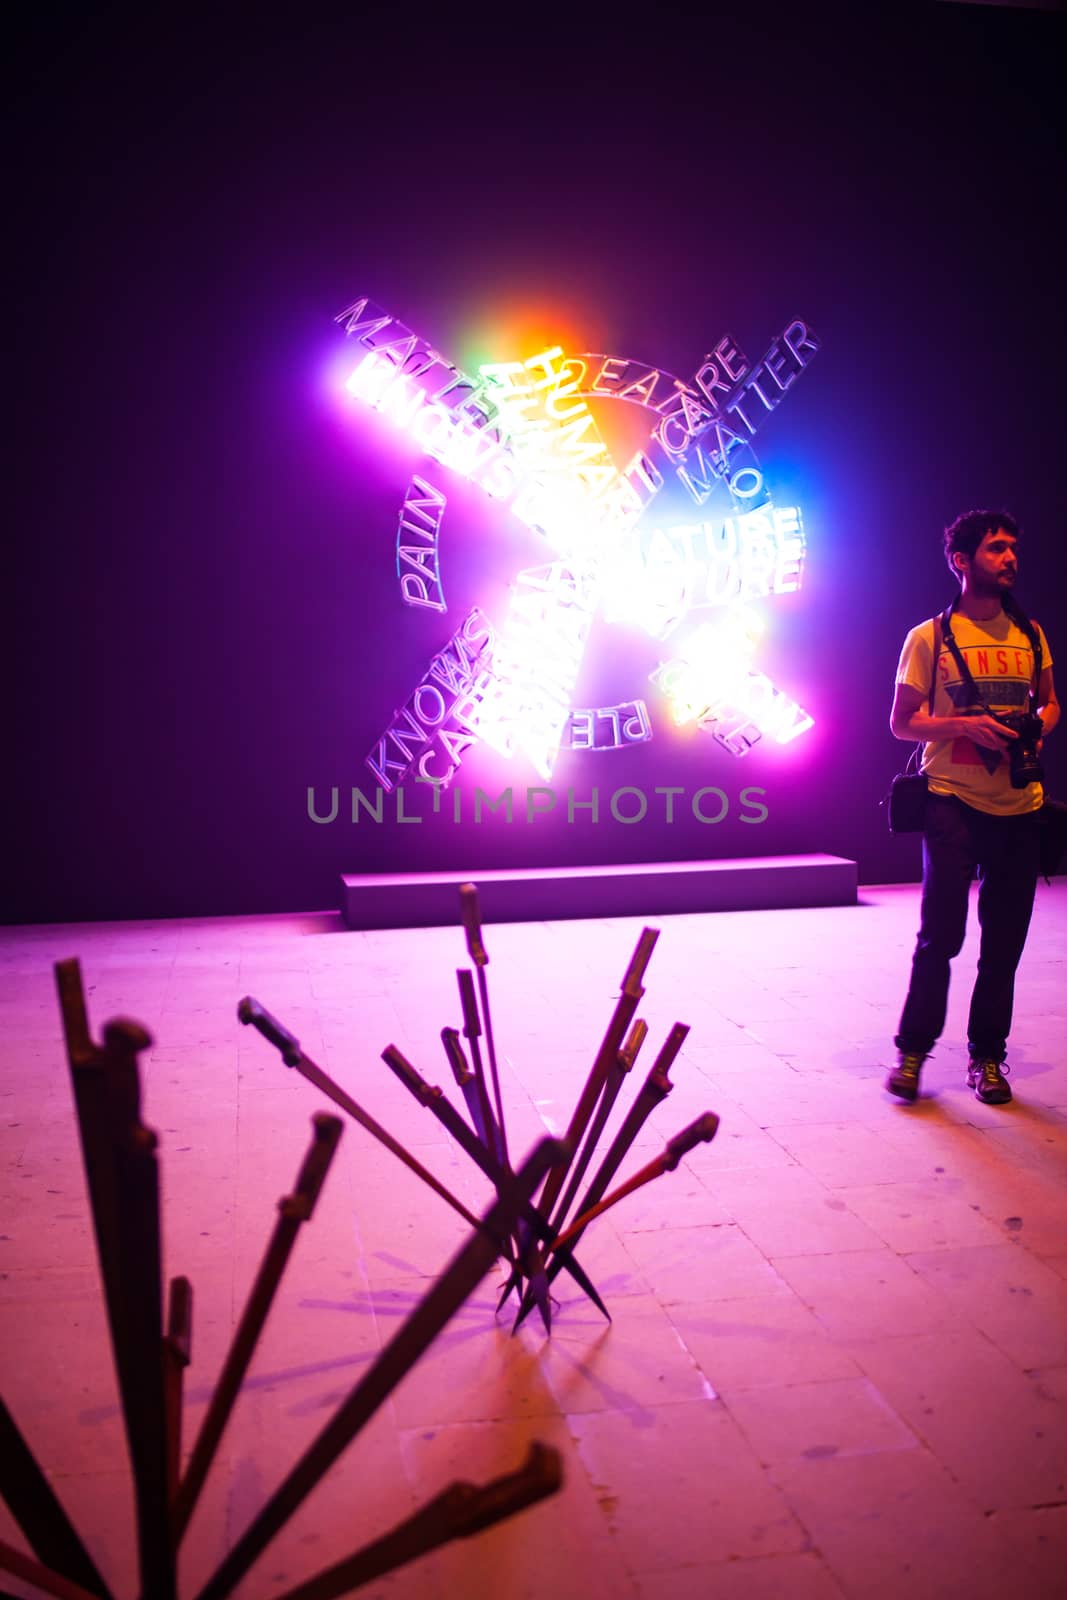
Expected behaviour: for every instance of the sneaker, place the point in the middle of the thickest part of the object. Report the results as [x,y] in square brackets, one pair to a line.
[986,1077]
[903,1081]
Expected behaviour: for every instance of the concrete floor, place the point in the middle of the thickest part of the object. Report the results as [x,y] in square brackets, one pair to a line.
[838,1360]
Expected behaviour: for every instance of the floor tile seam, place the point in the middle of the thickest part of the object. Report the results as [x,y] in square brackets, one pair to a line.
[594,1489]
[940,1467]
[797,1157]
[1011,1242]
[727,1396]
[638,1575]
[1010,1365]
[739,1563]
[985,1511]
[777,1494]
[828,1341]
[845,1340]
[841,1208]
[564,1411]
[415,1417]
[645,1408]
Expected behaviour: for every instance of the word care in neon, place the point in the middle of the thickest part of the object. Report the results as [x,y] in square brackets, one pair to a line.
[429,734]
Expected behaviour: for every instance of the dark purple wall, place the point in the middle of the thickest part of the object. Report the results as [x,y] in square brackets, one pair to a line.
[206,617]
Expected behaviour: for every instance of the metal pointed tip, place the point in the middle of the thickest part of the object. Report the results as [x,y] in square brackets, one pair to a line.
[600,1305]
[525,1307]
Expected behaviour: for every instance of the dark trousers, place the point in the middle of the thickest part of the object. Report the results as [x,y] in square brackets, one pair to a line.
[956,840]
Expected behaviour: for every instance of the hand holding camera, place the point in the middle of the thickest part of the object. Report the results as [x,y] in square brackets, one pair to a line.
[986,729]
[1016,734]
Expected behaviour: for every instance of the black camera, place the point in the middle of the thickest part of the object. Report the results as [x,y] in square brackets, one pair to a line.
[1023,759]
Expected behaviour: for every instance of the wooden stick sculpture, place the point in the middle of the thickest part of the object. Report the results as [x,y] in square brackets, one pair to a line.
[294,1210]
[250,1010]
[703,1130]
[456,1513]
[119,1153]
[541,1244]
[655,1089]
[409,1342]
[472,923]
[450,1119]
[177,1353]
[36,1508]
[122,1177]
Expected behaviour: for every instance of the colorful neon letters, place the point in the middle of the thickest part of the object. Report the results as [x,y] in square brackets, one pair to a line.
[430,732]
[417,561]
[524,433]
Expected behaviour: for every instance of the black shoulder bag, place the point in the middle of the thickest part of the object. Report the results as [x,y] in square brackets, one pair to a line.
[906,800]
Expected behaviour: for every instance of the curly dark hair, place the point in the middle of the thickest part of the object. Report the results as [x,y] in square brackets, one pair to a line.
[968,531]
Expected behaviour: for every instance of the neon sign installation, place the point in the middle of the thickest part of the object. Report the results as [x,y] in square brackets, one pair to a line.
[523,432]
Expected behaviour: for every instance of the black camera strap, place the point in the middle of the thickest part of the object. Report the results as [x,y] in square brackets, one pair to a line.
[1022,621]
[991,759]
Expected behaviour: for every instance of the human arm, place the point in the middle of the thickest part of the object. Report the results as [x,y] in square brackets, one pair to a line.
[1048,707]
[911,720]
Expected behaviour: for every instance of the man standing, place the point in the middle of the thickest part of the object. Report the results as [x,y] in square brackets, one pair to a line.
[976,817]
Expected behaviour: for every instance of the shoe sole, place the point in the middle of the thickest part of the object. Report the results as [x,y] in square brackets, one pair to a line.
[999,1097]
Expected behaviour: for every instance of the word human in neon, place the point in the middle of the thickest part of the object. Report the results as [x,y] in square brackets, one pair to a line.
[477,449]
[456,420]
[543,639]
[550,425]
